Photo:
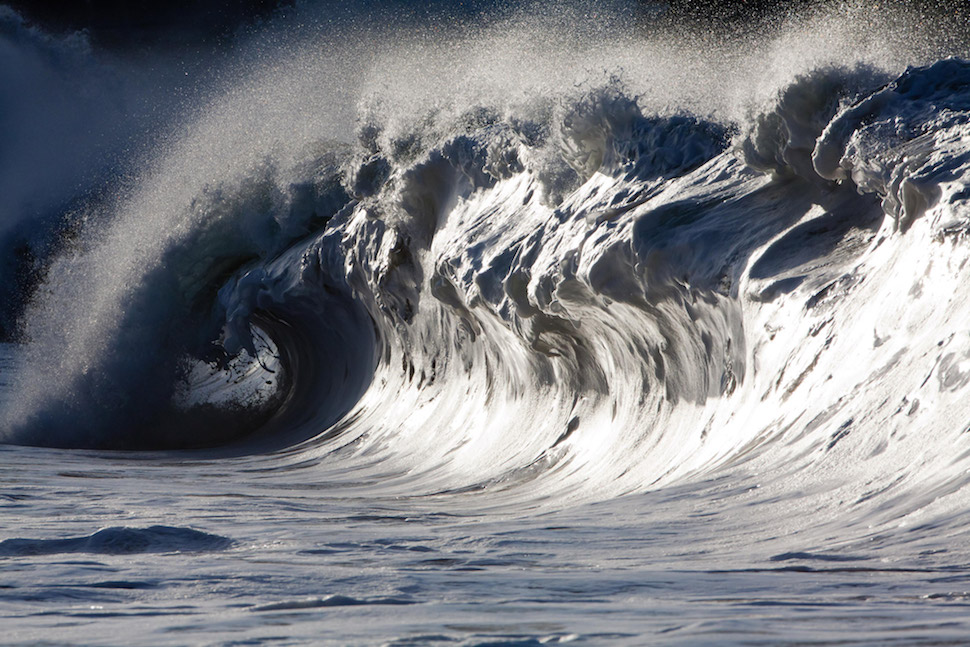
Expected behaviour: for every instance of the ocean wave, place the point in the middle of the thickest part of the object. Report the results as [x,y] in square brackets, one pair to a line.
[502,287]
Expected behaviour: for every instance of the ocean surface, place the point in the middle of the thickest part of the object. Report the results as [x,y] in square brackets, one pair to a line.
[556,324]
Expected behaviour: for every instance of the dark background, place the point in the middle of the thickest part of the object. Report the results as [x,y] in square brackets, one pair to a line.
[123,23]
[152,23]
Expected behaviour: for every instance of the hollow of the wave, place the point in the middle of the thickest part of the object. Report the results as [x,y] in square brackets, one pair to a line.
[317,359]
[326,350]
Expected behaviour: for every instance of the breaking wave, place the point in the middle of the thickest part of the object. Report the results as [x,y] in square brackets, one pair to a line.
[591,261]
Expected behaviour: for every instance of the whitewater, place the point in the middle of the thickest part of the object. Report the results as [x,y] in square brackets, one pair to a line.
[553,325]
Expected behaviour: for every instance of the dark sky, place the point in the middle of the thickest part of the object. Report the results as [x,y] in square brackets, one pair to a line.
[172,23]
[123,23]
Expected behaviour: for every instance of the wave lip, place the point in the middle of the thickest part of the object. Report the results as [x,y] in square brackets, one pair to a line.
[906,142]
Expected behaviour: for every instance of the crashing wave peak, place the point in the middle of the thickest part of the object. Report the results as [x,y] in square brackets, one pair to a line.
[632,288]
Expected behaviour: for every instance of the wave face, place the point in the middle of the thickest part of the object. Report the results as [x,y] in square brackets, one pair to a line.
[607,270]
